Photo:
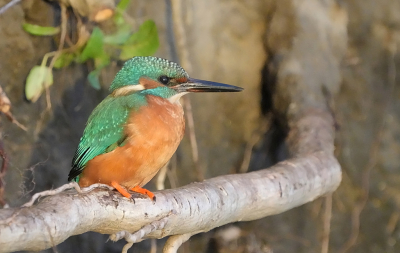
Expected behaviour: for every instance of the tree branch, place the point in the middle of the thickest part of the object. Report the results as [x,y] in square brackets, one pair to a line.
[192,209]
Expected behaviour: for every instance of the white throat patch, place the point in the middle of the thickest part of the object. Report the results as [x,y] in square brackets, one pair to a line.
[175,98]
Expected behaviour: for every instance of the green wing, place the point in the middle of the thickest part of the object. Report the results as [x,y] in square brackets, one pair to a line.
[104,131]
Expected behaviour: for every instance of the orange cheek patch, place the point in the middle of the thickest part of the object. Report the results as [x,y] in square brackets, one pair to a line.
[149,83]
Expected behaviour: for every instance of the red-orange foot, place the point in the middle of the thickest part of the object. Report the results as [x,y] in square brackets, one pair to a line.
[144,191]
[120,189]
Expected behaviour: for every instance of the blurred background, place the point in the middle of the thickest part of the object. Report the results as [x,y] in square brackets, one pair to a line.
[235,42]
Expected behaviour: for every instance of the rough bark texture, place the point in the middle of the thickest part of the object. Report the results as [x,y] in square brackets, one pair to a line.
[198,207]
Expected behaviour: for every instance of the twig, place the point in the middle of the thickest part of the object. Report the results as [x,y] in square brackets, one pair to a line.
[153,248]
[170,32]
[174,242]
[8,5]
[160,181]
[5,107]
[138,236]
[95,186]
[52,192]
[58,52]
[63,188]
[248,151]
[171,173]
[327,223]
[15,121]
[11,218]
[252,142]
[193,140]
[181,34]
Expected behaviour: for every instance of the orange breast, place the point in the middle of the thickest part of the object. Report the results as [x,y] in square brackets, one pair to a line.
[154,133]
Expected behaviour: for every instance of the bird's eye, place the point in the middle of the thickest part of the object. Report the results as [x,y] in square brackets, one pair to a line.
[164,79]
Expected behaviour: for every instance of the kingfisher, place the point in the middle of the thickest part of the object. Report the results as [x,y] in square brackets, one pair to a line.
[137,128]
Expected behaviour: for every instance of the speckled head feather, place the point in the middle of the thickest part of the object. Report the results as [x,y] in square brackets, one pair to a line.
[151,67]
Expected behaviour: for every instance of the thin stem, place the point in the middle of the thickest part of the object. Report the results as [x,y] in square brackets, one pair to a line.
[8,5]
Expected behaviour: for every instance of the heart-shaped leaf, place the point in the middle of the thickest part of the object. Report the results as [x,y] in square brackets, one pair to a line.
[94,46]
[38,79]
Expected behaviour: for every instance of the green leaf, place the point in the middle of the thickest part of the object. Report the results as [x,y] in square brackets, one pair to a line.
[119,19]
[122,5]
[64,60]
[40,30]
[94,46]
[93,78]
[120,8]
[100,63]
[38,79]
[95,50]
[120,37]
[142,43]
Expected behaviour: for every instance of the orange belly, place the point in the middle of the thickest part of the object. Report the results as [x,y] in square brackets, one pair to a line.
[154,133]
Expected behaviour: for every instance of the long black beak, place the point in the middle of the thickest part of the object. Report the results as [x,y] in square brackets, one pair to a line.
[196,85]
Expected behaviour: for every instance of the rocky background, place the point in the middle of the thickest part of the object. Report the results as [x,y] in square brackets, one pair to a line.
[241,43]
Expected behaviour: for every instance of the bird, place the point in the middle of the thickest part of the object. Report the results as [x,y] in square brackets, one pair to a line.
[136,129]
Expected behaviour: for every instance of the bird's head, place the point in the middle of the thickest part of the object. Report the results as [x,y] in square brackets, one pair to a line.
[161,77]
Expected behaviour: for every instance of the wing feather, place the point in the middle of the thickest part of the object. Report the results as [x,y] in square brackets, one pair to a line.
[105,128]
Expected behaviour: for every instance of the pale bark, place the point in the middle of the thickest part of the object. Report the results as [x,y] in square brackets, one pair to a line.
[192,209]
